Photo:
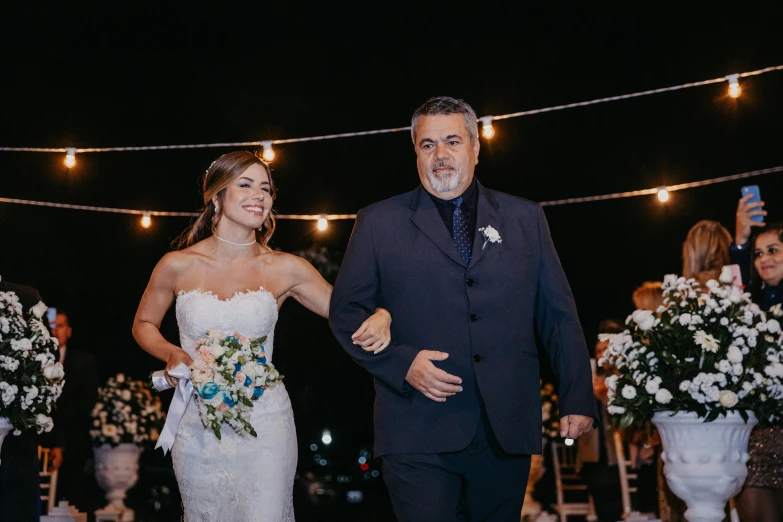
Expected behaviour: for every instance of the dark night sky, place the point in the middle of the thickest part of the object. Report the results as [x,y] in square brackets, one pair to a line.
[164,75]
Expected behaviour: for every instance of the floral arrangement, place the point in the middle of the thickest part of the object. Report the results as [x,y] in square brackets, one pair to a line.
[229,372]
[126,412]
[551,422]
[709,351]
[30,378]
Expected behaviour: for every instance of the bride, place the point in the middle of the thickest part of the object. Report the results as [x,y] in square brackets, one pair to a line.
[225,276]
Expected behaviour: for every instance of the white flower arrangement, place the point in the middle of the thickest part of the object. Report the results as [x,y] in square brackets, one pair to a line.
[126,412]
[228,373]
[490,236]
[31,379]
[708,351]
[551,421]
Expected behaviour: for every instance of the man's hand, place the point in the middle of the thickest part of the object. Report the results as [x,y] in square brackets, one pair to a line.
[57,458]
[572,426]
[430,380]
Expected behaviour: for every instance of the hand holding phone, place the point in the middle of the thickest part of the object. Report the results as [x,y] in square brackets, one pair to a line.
[755,197]
[750,213]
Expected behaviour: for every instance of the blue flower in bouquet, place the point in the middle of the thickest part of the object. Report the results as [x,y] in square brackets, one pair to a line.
[237,368]
[248,380]
[209,390]
[258,392]
[261,360]
[232,338]
[228,401]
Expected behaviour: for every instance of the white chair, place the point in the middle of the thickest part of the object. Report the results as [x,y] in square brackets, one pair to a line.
[566,480]
[48,480]
[625,468]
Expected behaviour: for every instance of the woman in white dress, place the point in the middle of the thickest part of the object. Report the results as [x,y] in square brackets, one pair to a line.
[225,276]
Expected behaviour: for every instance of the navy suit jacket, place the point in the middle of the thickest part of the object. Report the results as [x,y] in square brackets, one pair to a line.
[484,315]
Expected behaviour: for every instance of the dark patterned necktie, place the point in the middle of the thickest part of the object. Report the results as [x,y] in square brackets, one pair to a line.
[460,230]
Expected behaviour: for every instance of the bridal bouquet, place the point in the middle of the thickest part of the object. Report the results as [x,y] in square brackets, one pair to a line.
[551,423]
[708,351]
[228,373]
[30,378]
[126,412]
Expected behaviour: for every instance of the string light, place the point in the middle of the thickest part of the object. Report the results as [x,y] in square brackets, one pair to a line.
[734,87]
[323,223]
[663,194]
[569,442]
[269,153]
[70,157]
[146,220]
[487,130]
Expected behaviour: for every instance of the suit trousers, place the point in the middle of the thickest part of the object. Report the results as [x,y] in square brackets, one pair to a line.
[19,479]
[479,483]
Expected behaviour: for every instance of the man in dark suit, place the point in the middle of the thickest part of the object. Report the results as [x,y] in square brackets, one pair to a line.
[469,275]
[72,418]
[19,479]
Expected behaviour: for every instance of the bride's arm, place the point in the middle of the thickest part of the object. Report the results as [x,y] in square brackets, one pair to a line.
[314,293]
[154,303]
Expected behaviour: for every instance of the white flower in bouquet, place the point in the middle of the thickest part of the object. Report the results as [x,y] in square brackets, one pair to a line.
[707,351]
[39,310]
[726,275]
[54,371]
[728,399]
[644,318]
[611,382]
[44,422]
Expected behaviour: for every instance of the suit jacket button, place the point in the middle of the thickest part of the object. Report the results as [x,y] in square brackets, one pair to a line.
[470,282]
[477,358]
[473,317]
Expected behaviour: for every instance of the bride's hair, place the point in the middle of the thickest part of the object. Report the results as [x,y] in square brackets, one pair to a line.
[220,175]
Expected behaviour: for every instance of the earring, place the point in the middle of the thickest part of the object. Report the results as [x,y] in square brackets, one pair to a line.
[217,207]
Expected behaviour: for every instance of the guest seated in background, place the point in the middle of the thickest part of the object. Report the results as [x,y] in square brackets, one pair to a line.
[705,251]
[72,421]
[596,458]
[649,296]
[762,497]
[19,478]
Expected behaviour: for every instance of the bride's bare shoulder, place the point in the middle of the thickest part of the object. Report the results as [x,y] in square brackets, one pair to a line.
[283,261]
[179,261]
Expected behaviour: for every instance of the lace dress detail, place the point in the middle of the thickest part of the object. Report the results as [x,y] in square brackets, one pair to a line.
[238,478]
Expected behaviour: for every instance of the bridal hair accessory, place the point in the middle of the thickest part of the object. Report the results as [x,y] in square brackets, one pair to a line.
[490,236]
[235,244]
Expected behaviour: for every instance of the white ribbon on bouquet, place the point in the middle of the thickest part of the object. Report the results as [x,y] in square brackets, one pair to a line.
[179,403]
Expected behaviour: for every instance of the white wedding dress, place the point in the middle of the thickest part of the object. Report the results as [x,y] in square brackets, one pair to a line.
[239,478]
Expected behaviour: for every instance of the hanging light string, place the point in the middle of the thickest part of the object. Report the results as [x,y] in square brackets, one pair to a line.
[322,219]
[732,79]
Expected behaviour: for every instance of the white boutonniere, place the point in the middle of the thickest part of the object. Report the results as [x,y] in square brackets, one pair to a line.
[490,236]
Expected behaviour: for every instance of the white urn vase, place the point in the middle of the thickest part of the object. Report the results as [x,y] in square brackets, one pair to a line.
[5,429]
[117,470]
[704,462]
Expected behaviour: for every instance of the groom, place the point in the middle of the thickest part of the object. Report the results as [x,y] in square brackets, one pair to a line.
[469,276]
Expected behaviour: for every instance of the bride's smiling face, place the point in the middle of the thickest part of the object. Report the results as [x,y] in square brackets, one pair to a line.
[247,201]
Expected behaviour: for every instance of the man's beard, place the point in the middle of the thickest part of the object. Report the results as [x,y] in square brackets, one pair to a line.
[445,182]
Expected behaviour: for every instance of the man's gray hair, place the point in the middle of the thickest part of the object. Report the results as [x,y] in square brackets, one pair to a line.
[443,106]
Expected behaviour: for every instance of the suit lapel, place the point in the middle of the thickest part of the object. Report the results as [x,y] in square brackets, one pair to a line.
[426,217]
[487,214]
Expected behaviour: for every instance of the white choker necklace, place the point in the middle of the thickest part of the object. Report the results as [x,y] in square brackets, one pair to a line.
[235,244]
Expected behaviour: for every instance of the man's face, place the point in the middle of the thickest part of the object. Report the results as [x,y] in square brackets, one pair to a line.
[62,330]
[444,155]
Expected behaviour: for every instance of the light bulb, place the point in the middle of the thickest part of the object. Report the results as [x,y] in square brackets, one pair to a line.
[569,442]
[663,195]
[146,220]
[323,223]
[734,87]
[70,157]
[326,438]
[487,130]
[269,153]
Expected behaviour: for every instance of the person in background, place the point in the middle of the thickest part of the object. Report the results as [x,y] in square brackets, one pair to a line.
[70,437]
[649,296]
[596,457]
[762,497]
[19,480]
[705,251]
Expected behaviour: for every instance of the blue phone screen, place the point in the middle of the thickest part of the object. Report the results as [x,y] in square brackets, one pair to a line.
[754,190]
